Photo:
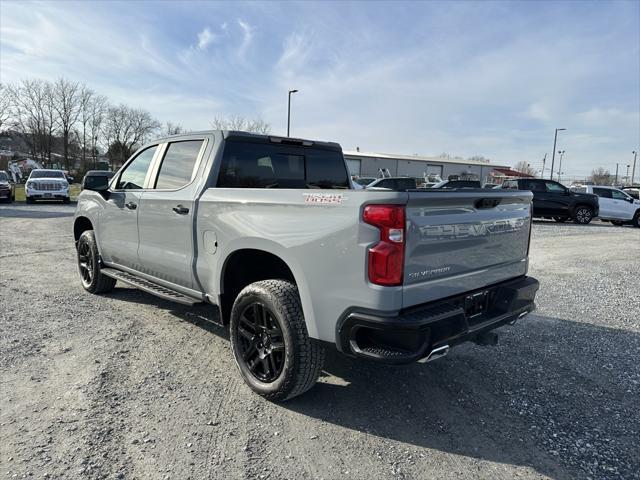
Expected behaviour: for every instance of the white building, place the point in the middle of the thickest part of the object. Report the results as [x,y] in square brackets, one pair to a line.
[368,164]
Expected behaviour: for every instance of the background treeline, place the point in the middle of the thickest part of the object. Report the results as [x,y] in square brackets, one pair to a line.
[67,123]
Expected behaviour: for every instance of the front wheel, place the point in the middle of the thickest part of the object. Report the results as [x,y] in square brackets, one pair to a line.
[583,215]
[29,200]
[636,220]
[269,339]
[93,280]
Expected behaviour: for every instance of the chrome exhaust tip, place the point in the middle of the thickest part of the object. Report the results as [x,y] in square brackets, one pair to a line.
[522,315]
[435,354]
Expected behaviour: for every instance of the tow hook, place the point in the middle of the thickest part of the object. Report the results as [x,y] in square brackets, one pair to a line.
[488,339]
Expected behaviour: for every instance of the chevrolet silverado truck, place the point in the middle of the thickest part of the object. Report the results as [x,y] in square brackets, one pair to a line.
[44,184]
[271,231]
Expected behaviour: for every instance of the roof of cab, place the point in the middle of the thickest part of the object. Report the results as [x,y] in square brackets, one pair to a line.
[255,137]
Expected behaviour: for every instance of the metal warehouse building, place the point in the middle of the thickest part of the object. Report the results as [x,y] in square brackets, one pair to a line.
[366,164]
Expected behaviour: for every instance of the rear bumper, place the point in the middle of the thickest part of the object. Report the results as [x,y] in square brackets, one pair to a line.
[412,334]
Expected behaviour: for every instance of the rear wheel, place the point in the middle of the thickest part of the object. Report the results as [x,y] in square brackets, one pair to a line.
[89,265]
[583,215]
[561,219]
[269,339]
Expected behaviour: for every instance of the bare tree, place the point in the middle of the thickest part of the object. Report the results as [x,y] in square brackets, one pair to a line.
[5,106]
[86,100]
[479,158]
[126,129]
[236,122]
[32,109]
[97,111]
[173,129]
[68,106]
[600,176]
[524,167]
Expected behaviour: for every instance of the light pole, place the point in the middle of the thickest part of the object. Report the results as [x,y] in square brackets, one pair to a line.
[561,153]
[289,111]
[616,182]
[633,170]
[553,155]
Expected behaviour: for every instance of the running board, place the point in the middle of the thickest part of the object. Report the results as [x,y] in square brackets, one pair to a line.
[149,287]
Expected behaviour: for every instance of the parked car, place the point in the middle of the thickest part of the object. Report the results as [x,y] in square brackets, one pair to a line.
[7,189]
[397,184]
[458,184]
[553,200]
[93,177]
[633,191]
[364,181]
[616,206]
[44,184]
[268,229]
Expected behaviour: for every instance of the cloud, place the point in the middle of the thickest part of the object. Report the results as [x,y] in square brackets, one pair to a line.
[247,37]
[205,38]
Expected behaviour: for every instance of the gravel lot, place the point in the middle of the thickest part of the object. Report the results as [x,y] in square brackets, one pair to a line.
[129,386]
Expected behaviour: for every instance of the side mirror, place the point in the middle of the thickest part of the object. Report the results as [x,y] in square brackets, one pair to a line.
[99,183]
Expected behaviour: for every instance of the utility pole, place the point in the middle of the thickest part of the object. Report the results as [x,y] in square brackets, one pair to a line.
[616,182]
[289,111]
[633,170]
[553,155]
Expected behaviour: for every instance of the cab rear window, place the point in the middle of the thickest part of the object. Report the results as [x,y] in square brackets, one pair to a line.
[263,165]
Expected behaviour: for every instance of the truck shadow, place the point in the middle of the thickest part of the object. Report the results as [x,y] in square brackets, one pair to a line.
[551,386]
[33,212]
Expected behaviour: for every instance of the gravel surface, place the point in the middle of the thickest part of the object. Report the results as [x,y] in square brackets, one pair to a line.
[126,385]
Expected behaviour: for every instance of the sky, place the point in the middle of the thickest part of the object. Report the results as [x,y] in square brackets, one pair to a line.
[465,78]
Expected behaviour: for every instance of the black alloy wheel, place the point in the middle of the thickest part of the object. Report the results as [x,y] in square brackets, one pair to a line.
[85,262]
[583,215]
[261,342]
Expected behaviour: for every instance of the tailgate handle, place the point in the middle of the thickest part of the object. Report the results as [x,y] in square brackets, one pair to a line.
[484,203]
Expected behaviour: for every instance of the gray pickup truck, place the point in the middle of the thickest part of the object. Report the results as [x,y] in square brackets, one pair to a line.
[271,231]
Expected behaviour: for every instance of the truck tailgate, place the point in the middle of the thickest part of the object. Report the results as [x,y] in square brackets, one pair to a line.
[463,240]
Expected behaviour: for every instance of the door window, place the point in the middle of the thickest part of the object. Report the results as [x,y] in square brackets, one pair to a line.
[602,192]
[178,164]
[553,187]
[618,195]
[132,178]
[533,186]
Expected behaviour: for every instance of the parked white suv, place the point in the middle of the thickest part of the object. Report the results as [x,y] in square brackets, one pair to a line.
[47,185]
[615,205]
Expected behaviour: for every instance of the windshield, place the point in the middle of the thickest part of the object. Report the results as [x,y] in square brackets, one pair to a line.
[46,174]
[3,177]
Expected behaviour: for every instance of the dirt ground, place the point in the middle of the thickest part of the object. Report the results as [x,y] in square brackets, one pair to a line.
[126,385]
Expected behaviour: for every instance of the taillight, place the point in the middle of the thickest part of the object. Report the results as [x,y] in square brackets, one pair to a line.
[386,258]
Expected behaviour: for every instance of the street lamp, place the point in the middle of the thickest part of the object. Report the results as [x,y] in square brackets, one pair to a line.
[561,153]
[289,111]
[553,155]
[633,170]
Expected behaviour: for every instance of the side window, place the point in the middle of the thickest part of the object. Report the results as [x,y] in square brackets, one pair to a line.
[553,187]
[533,186]
[177,165]
[602,192]
[618,195]
[132,178]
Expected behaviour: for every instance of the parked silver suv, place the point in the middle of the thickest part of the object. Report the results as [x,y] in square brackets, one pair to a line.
[269,230]
[47,185]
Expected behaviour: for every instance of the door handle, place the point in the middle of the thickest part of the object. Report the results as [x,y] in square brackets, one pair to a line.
[131,206]
[180,210]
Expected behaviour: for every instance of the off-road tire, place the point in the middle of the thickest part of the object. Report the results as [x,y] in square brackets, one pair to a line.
[583,215]
[87,247]
[303,356]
